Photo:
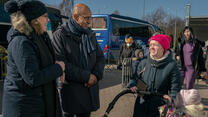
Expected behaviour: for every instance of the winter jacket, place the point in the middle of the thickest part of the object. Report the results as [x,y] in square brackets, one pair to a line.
[135,64]
[29,87]
[76,98]
[160,76]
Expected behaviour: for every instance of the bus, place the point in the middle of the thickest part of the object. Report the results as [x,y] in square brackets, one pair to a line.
[111,29]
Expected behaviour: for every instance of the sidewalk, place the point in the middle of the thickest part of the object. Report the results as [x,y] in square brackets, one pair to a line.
[125,105]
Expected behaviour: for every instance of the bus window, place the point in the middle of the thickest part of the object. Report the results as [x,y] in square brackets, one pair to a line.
[98,23]
[121,28]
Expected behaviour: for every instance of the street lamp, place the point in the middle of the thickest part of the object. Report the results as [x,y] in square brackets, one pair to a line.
[188,6]
[175,29]
[143,11]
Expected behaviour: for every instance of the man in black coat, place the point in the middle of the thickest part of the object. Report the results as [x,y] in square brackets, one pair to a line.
[76,44]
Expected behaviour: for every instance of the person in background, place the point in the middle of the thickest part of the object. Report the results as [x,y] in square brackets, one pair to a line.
[139,53]
[189,53]
[30,84]
[76,44]
[160,73]
[127,50]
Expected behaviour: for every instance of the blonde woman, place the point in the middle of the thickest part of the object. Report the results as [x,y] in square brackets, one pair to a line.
[29,87]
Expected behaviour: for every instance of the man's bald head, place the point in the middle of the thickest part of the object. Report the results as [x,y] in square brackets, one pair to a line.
[80,8]
[82,15]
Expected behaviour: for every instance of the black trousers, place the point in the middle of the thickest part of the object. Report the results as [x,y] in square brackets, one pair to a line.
[77,115]
[145,109]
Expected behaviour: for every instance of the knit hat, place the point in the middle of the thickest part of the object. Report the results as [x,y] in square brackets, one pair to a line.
[137,51]
[188,97]
[31,9]
[128,38]
[164,40]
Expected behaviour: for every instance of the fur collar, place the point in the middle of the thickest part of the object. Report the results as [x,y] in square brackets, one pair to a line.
[20,23]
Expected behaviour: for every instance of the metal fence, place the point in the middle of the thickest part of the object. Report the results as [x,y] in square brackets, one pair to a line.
[127,71]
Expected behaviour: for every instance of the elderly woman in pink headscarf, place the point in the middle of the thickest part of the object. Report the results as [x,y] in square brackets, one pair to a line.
[161,74]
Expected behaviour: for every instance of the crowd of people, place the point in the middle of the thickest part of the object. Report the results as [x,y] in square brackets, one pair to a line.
[74,58]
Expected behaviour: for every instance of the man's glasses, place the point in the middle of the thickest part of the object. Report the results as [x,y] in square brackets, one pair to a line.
[87,17]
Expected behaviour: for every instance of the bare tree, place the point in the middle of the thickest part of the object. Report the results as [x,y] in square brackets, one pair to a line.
[171,26]
[158,17]
[66,7]
[165,22]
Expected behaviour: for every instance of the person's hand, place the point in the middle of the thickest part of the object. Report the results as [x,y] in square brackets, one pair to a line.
[203,74]
[134,59]
[167,98]
[92,81]
[177,58]
[133,89]
[61,63]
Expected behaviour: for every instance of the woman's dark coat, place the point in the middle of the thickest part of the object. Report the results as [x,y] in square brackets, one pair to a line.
[76,98]
[196,57]
[29,89]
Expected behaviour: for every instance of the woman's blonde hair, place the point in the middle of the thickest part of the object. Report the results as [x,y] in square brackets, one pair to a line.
[37,26]
[20,23]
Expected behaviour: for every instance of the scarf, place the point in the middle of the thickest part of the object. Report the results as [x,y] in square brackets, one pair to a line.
[86,47]
[47,55]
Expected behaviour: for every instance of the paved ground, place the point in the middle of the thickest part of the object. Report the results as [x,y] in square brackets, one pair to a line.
[110,86]
[111,77]
[123,107]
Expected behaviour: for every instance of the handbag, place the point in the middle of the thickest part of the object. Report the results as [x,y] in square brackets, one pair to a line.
[141,85]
